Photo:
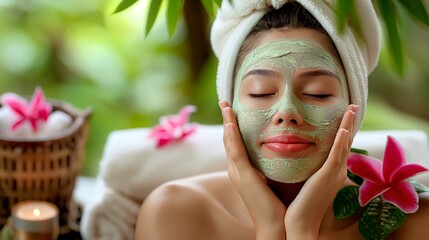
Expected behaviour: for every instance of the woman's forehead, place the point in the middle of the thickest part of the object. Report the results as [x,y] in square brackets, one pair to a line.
[299,33]
[289,53]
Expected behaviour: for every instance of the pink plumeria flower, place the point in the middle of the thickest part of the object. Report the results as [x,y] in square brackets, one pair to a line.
[34,112]
[173,128]
[387,179]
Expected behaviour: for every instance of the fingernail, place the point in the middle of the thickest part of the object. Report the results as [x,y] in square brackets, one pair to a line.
[222,104]
[354,108]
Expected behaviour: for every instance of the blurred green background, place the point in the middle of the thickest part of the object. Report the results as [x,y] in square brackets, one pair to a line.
[81,53]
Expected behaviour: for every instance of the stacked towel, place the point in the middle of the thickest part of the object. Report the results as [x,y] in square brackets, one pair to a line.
[132,167]
[108,214]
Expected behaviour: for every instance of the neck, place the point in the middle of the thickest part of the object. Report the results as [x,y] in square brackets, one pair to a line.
[287,192]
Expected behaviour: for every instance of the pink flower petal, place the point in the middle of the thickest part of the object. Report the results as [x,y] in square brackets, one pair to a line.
[403,196]
[17,124]
[394,157]
[173,128]
[34,112]
[169,124]
[16,103]
[189,132]
[163,142]
[34,125]
[368,191]
[365,167]
[38,100]
[44,113]
[185,113]
[407,171]
[161,135]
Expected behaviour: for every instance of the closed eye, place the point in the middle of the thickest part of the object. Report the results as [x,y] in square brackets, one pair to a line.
[318,96]
[262,95]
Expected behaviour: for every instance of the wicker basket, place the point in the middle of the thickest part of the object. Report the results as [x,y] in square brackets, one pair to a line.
[46,168]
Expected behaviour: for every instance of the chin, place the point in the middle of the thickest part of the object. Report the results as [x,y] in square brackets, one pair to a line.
[289,170]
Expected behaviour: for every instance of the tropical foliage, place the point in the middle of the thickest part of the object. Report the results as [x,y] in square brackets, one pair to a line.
[84,53]
[387,9]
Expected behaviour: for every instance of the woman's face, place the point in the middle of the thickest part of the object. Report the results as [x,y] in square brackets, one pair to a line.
[290,94]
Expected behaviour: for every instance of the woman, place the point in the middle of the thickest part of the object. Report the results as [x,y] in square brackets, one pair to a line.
[298,96]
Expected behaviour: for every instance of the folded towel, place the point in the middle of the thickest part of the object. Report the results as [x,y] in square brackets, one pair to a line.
[133,166]
[359,53]
[109,215]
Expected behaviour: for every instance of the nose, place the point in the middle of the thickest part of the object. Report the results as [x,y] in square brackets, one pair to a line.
[287,113]
[287,118]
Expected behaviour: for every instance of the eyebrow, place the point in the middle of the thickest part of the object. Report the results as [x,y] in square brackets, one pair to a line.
[319,72]
[262,72]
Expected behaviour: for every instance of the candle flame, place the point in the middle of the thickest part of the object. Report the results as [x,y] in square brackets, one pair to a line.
[36,212]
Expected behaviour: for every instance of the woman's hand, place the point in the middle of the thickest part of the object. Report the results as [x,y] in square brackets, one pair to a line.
[304,215]
[266,210]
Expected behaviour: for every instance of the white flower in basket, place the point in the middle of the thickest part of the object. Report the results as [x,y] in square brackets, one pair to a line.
[30,119]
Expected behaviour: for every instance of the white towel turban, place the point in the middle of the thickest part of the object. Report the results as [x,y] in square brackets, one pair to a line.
[359,54]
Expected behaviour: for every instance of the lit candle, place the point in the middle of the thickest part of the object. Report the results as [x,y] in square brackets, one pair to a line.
[35,220]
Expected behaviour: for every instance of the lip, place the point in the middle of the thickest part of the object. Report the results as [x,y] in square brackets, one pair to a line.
[287,144]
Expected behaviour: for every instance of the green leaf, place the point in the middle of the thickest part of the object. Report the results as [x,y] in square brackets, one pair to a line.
[346,13]
[355,178]
[208,6]
[420,188]
[342,9]
[379,219]
[219,2]
[124,5]
[417,9]
[359,151]
[154,7]
[389,15]
[6,231]
[174,8]
[346,202]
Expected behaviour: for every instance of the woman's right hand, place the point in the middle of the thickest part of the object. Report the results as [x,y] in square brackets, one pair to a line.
[265,209]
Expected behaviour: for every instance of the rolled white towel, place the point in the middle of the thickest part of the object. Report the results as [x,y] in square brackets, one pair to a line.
[109,215]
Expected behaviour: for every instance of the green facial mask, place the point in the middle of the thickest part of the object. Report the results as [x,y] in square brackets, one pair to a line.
[286,56]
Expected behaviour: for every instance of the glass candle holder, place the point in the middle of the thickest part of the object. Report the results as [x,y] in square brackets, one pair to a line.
[34,220]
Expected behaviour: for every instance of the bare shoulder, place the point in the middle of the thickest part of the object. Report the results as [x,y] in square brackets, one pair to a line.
[186,208]
[415,225]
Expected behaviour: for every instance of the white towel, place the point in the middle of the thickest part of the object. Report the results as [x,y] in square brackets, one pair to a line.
[358,54]
[109,215]
[132,166]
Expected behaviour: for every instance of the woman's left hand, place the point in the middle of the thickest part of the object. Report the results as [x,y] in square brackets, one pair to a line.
[305,213]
